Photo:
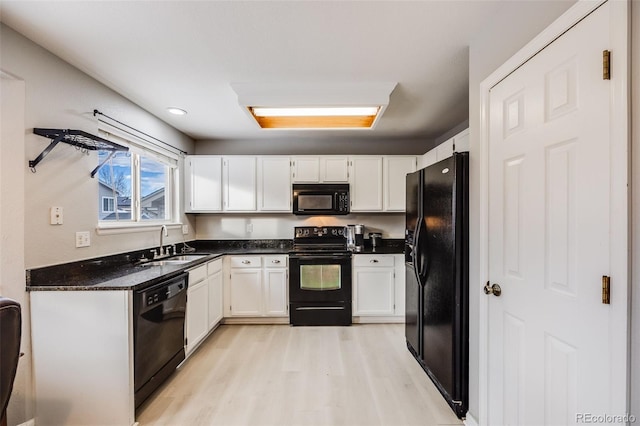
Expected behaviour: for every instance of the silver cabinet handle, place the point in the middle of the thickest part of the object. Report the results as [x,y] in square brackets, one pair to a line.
[373,261]
[275,261]
[246,262]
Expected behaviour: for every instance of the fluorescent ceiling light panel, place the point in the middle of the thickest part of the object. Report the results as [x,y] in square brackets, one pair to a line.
[314,105]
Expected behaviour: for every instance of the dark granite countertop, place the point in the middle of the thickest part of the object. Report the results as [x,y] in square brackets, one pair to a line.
[124,271]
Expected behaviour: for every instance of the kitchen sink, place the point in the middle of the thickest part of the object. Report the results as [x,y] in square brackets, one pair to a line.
[174,260]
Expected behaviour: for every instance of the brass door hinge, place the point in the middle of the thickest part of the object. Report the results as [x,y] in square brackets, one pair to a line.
[606,290]
[606,65]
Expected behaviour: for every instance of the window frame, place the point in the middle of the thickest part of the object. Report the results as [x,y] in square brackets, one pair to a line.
[170,160]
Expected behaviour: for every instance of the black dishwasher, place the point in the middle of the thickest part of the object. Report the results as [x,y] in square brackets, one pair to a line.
[158,334]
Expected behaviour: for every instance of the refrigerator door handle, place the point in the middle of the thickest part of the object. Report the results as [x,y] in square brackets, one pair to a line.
[416,248]
[420,269]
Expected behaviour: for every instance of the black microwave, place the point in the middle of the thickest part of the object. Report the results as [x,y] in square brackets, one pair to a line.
[320,199]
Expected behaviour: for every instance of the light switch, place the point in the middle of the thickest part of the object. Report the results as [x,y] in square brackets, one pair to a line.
[83,239]
[56,216]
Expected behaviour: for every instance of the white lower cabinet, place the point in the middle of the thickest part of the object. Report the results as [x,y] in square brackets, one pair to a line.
[214,271]
[258,286]
[204,302]
[275,286]
[377,289]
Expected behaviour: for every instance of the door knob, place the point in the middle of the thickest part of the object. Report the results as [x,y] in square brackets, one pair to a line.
[492,289]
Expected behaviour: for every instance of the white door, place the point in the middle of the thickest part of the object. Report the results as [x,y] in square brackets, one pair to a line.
[550,351]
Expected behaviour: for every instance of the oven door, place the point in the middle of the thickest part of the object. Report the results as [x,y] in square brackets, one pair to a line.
[320,289]
[319,277]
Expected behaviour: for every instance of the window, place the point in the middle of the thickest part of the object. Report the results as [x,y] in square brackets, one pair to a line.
[108,204]
[136,187]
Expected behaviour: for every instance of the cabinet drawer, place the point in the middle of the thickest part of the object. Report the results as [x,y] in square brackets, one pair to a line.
[245,262]
[371,260]
[279,261]
[197,274]
[215,266]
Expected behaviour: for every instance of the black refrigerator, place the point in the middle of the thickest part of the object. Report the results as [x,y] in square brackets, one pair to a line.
[437,276]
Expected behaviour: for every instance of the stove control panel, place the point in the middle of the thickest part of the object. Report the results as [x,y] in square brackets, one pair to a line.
[319,232]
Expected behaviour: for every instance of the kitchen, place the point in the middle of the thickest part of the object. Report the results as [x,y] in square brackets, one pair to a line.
[59,95]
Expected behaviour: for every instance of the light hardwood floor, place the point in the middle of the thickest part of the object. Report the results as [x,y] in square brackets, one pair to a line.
[282,375]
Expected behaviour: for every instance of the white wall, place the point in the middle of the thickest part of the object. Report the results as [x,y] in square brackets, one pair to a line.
[280,226]
[60,96]
[12,234]
[635,208]
[315,146]
[55,95]
[515,25]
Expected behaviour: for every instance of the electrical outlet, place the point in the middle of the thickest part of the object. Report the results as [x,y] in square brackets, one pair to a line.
[185,229]
[249,228]
[83,239]
[55,216]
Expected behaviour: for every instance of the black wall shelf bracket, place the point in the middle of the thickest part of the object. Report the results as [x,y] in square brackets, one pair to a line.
[78,138]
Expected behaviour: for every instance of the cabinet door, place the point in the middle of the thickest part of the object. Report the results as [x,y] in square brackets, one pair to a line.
[461,141]
[444,150]
[373,291]
[366,183]
[275,292]
[239,181]
[395,181]
[246,292]
[215,299]
[274,184]
[305,169]
[334,169]
[197,321]
[400,285]
[428,159]
[203,183]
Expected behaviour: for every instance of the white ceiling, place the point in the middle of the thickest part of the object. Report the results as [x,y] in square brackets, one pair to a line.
[186,54]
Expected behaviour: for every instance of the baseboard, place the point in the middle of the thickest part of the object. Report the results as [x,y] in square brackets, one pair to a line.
[470,420]
[378,320]
[256,320]
[31,422]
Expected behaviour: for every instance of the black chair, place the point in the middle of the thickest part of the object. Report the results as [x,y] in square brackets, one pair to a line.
[10,333]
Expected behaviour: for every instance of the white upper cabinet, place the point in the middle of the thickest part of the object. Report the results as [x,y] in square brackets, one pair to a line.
[461,141]
[320,169]
[365,177]
[305,169]
[245,183]
[458,143]
[428,159]
[239,183]
[274,184]
[334,169]
[203,183]
[395,172]
[444,150]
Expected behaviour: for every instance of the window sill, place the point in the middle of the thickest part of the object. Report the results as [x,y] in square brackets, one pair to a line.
[130,228]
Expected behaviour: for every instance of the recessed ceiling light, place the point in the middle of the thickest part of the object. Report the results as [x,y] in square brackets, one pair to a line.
[177,111]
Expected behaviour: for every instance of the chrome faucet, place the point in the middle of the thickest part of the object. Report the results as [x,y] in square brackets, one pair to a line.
[163,233]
